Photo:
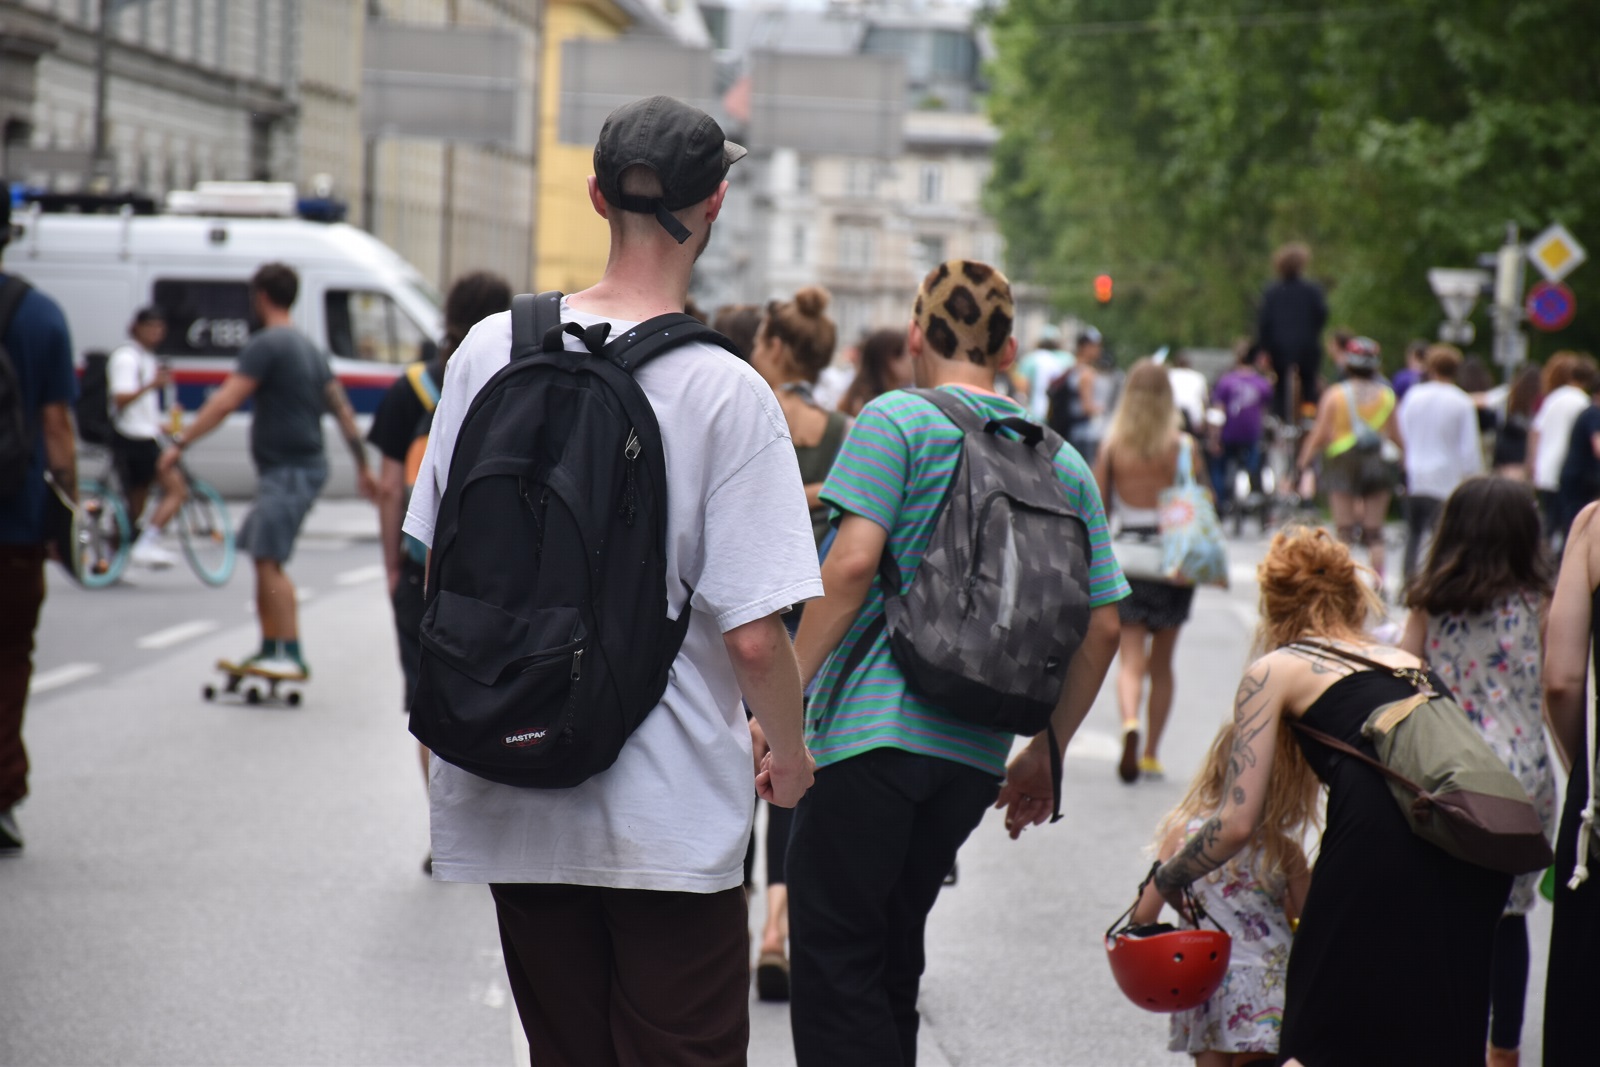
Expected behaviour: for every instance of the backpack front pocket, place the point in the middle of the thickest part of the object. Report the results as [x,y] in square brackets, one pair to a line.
[503,681]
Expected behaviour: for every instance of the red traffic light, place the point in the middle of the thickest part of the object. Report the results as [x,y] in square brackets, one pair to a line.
[1102,288]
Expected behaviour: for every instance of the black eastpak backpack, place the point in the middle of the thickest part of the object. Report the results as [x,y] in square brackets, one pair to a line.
[999,604]
[545,635]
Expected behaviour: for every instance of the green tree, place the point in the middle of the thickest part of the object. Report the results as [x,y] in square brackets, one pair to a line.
[1175,144]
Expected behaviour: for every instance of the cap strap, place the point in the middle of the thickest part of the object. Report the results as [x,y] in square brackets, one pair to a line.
[654,205]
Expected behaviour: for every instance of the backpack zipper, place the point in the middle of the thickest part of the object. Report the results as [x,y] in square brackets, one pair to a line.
[577,665]
[537,511]
[630,501]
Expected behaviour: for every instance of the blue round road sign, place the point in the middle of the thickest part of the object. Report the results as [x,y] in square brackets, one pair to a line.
[1550,306]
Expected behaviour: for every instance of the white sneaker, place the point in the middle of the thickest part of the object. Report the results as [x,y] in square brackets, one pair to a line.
[147,552]
[284,668]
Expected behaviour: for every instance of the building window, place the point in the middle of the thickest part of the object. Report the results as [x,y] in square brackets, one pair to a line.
[930,184]
[856,247]
[861,179]
[927,252]
[990,249]
[797,246]
[802,176]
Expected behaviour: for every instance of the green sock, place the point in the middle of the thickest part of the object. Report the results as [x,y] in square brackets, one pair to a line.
[292,649]
[269,648]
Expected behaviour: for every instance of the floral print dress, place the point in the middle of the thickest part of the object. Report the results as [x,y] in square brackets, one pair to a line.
[1492,662]
[1246,1014]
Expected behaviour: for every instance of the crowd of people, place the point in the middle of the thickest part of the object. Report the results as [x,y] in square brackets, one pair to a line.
[803,498]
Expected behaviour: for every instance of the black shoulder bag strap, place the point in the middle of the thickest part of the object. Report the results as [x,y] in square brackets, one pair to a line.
[11,294]
[1418,677]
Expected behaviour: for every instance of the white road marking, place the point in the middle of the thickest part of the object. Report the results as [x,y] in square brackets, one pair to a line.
[1241,574]
[65,674]
[173,635]
[1095,745]
[361,575]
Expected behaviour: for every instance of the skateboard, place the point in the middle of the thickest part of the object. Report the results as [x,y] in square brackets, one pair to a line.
[254,686]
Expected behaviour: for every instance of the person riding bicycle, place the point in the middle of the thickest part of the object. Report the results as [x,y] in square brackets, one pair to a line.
[135,377]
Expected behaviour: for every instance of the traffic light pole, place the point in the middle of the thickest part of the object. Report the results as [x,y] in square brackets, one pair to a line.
[1510,345]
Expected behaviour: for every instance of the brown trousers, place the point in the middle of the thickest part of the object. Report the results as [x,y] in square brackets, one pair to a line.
[627,977]
[21,595]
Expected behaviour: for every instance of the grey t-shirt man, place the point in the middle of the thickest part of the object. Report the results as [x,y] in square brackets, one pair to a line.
[292,378]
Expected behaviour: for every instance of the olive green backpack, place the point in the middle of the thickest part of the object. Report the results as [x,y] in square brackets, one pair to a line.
[1451,786]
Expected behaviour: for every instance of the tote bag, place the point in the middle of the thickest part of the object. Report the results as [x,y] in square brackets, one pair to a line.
[1192,549]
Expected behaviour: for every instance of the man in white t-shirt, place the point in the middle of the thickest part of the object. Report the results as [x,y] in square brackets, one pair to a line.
[1190,392]
[1551,432]
[620,901]
[134,377]
[1041,367]
[1439,425]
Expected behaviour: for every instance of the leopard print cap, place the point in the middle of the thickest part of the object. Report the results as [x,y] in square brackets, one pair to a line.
[965,310]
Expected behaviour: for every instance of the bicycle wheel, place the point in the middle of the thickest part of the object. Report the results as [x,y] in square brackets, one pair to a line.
[206,533]
[104,535]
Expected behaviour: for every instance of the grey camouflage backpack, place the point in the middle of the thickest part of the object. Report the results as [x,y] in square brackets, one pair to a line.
[1000,603]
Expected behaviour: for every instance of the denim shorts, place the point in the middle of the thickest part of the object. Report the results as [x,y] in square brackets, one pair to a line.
[283,498]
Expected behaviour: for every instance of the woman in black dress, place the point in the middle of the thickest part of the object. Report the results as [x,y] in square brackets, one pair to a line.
[1391,964]
[1573,980]
[1143,455]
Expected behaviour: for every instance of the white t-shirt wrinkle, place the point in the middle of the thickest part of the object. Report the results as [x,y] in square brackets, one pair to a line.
[129,369]
[674,812]
[1439,425]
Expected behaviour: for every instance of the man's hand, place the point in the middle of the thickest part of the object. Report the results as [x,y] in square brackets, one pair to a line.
[784,781]
[1028,793]
[366,484]
[758,743]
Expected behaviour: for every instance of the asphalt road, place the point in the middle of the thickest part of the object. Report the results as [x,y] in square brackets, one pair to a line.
[208,884]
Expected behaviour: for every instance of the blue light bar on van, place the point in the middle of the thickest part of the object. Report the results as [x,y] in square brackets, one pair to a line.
[322,209]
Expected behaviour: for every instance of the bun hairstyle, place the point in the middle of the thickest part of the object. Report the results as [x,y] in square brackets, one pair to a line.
[808,334]
[1311,587]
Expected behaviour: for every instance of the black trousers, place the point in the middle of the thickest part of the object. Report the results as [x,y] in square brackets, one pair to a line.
[1422,519]
[628,977]
[871,844]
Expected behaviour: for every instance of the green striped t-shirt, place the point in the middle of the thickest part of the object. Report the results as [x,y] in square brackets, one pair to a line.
[895,469]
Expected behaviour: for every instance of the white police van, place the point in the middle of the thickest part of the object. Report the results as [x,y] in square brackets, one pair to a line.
[368,308]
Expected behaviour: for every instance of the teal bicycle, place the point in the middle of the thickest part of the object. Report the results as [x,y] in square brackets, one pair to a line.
[104,536]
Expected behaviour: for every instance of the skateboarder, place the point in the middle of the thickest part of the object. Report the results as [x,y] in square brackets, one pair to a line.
[291,385]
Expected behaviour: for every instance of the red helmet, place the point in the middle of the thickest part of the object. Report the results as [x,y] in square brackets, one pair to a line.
[1161,968]
[1164,969]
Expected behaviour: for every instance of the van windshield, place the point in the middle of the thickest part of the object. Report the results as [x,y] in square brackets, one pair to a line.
[427,292]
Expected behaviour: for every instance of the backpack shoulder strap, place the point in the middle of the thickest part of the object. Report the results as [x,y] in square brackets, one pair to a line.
[1350,750]
[1417,677]
[651,338]
[532,319]
[11,294]
[969,420]
[421,378]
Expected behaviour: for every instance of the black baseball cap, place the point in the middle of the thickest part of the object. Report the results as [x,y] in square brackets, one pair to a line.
[682,144]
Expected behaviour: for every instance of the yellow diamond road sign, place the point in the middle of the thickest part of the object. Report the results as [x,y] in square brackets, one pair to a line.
[1556,253]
